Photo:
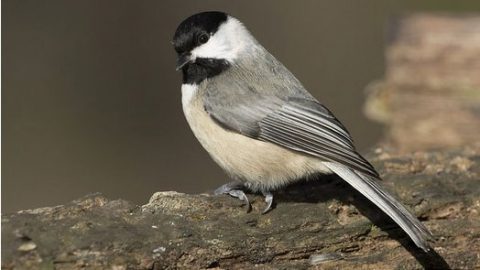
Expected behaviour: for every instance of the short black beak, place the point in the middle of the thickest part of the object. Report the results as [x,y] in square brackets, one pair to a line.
[183,59]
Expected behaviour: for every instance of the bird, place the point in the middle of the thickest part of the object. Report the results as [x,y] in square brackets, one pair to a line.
[259,123]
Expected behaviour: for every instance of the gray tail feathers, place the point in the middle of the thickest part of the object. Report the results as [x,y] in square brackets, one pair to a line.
[375,193]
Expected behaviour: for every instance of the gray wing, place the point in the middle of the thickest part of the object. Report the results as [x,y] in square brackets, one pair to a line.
[297,123]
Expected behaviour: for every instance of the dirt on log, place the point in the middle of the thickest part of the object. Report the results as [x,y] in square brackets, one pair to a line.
[325,218]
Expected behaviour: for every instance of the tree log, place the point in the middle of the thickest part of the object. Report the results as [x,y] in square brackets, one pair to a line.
[325,218]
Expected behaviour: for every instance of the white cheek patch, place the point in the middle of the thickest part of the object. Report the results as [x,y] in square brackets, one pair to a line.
[188,93]
[217,47]
[229,40]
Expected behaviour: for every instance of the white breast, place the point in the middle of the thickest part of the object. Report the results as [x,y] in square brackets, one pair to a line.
[188,93]
[263,165]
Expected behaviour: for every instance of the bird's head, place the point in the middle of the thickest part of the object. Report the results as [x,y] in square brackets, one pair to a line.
[210,40]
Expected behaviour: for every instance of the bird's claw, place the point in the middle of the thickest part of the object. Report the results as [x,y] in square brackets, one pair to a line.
[238,193]
[268,200]
[233,189]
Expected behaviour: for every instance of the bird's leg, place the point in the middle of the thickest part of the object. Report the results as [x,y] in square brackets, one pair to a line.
[234,189]
[269,200]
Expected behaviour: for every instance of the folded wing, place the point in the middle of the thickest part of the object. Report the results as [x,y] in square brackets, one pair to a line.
[299,124]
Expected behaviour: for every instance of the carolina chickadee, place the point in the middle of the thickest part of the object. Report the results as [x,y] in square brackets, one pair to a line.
[258,122]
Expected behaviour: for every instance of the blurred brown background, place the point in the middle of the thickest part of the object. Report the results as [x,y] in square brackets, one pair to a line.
[91,100]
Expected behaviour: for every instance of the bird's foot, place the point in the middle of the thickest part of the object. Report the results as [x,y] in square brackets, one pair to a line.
[269,200]
[234,189]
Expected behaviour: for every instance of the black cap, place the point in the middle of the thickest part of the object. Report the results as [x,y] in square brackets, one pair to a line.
[185,38]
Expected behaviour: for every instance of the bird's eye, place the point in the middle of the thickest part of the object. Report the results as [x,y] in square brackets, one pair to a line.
[203,38]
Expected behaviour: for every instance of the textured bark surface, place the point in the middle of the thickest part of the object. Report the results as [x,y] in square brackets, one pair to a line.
[324,217]
[430,96]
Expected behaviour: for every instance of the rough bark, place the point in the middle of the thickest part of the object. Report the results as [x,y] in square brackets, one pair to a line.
[324,217]
[430,96]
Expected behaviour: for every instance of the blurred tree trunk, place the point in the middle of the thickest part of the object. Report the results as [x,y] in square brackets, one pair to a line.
[430,96]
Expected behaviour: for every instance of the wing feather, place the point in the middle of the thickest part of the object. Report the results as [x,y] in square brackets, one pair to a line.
[308,127]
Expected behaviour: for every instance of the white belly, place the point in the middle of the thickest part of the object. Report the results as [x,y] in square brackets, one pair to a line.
[263,165]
